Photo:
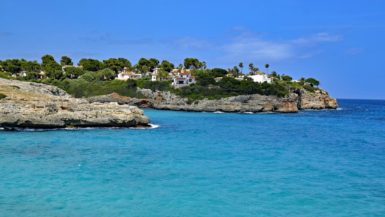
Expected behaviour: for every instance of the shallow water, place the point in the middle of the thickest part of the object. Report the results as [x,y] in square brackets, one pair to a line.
[324,163]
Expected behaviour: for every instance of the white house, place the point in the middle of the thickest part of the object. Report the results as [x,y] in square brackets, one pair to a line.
[182,79]
[260,78]
[126,74]
[154,75]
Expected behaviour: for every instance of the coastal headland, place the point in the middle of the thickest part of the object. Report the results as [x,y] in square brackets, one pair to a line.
[108,93]
[33,105]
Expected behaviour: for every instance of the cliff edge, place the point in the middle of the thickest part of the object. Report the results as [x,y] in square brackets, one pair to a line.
[298,100]
[35,105]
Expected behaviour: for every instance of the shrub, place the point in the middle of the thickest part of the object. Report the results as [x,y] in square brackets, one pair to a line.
[218,72]
[83,88]
[89,76]
[4,74]
[286,78]
[73,72]
[154,85]
[205,79]
[312,81]
[105,74]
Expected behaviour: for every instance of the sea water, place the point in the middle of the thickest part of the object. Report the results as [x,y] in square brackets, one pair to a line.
[313,163]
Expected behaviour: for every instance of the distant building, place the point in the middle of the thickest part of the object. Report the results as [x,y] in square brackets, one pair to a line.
[182,78]
[20,74]
[42,75]
[217,79]
[240,77]
[260,78]
[155,75]
[127,74]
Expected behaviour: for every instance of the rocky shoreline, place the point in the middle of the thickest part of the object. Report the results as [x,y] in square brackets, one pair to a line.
[34,105]
[294,102]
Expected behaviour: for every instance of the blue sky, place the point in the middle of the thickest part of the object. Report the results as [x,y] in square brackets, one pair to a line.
[340,42]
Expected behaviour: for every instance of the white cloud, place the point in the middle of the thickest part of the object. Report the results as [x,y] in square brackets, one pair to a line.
[257,48]
[317,38]
[248,46]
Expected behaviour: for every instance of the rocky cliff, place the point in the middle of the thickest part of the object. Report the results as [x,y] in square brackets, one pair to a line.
[294,102]
[33,105]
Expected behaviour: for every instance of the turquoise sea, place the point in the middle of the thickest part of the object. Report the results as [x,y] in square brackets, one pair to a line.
[313,163]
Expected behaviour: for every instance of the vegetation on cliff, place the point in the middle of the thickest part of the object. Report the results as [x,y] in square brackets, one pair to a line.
[93,77]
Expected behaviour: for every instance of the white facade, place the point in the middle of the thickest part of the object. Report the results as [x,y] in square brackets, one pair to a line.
[154,75]
[260,78]
[182,80]
[124,76]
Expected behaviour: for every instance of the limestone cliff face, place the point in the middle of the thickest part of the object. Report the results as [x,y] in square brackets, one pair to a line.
[319,99]
[243,103]
[33,105]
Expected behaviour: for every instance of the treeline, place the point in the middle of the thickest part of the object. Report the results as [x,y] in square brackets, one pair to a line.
[107,69]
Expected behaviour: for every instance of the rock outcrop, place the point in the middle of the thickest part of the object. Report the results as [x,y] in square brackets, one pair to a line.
[34,105]
[318,99]
[243,103]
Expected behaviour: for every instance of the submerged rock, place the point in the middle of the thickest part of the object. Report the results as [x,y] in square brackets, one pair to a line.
[33,105]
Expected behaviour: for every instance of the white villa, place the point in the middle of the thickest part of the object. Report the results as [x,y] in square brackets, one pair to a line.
[182,78]
[260,78]
[155,76]
[126,74]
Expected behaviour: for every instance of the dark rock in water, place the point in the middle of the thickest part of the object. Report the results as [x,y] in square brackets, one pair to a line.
[33,105]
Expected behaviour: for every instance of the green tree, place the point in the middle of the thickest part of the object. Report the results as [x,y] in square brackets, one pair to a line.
[153,63]
[312,81]
[267,67]
[66,61]
[30,66]
[12,66]
[163,74]
[73,72]
[117,64]
[52,69]
[204,79]
[32,75]
[274,74]
[204,65]
[166,66]
[251,68]
[91,64]
[192,63]
[105,74]
[55,74]
[241,66]
[235,71]
[286,78]
[142,65]
[218,72]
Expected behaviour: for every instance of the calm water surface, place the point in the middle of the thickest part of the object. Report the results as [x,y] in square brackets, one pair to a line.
[325,163]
